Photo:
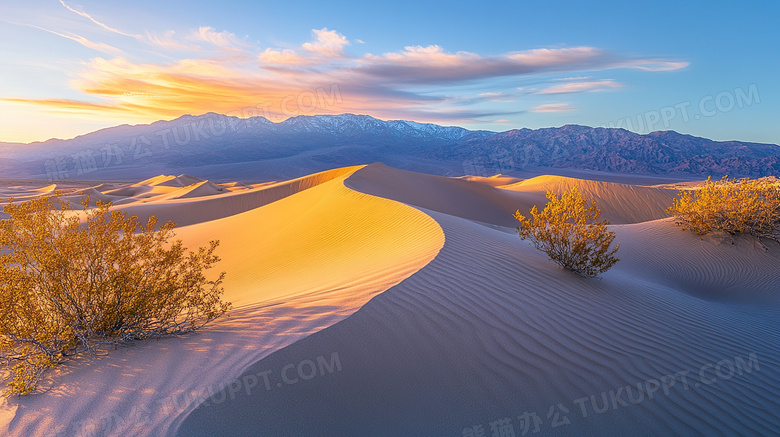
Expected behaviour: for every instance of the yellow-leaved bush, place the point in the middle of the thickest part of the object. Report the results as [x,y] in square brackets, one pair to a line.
[567,230]
[735,206]
[75,282]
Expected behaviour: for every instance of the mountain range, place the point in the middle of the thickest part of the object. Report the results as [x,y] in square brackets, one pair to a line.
[222,147]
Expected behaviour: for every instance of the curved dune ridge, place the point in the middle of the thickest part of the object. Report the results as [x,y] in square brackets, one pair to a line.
[679,338]
[318,243]
[300,257]
[469,199]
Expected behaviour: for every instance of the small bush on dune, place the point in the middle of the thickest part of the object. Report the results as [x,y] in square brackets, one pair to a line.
[70,286]
[744,206]
[567,231]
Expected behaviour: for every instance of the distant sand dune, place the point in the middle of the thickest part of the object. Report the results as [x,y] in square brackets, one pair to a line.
[187,211]
[476,200]
[22,193]
[495,180]
[460,197]
[619,203]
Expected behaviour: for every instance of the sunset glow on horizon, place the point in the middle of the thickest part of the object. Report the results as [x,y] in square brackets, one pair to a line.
[71,68]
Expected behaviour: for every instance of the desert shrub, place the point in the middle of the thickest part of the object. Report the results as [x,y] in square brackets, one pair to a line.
[735,206]
[82,282]
[567,231]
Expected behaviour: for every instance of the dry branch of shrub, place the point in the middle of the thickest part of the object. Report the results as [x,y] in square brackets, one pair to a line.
[567,230]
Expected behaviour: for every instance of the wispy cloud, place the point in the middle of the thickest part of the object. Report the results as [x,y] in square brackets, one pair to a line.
[204,38]
[92,19]
[70,105]
[168,40]
[656,65]
[432,64]
[99,46]
[553,107]
[587,86]
[222,39]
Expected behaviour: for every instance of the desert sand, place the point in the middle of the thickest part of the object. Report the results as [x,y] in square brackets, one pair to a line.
[371,301]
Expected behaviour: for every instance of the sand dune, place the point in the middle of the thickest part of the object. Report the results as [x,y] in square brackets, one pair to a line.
[181,180]
[468,199]
[475,199]
[491,329]
[619,203]
[187,211]
[317,243]
[714,267]
[295,266]
[405,304]
[22,193]
[495,180]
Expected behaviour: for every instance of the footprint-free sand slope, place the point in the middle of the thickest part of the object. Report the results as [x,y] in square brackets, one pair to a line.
[492,330]
[311,253]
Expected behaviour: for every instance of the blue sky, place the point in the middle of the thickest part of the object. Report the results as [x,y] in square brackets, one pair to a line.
[705,68]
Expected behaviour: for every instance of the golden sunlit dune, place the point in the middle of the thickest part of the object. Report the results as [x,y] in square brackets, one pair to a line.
[328,244]
[301,256]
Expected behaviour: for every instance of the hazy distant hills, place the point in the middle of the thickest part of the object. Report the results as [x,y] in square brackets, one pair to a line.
[221,147]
